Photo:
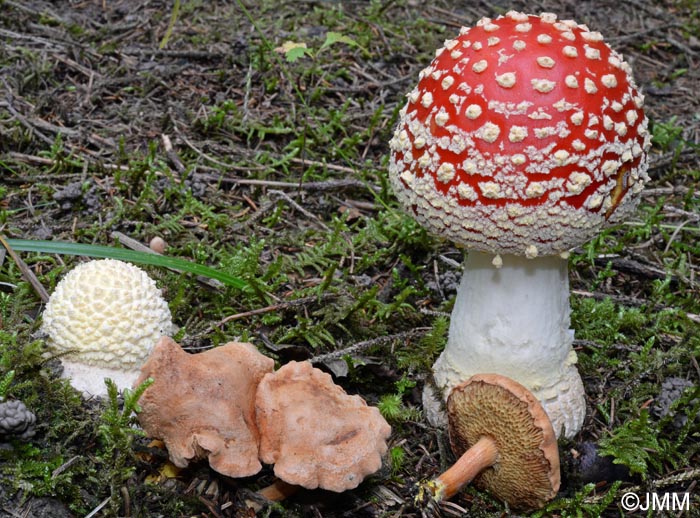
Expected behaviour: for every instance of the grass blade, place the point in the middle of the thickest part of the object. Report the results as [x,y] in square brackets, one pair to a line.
[171,25]
[124,254]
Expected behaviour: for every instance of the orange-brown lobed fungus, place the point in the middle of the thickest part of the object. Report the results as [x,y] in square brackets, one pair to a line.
[203,405]
[317,435]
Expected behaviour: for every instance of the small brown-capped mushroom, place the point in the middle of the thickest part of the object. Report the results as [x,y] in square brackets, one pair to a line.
[504,441]
[315,434]
[158,244]
[203,405]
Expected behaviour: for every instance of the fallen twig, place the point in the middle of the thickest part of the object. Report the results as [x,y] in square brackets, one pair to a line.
[27,273]
[203,55]
[38,160]
[361,346]
[327,185]
[24,122]
[301,209]
[171,154]
[633,267]
[274,307]
[98,508]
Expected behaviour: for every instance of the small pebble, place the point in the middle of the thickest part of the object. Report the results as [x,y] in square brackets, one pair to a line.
[671,390]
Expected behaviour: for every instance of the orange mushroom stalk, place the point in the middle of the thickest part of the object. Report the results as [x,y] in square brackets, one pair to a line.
[482,455]
[505,443]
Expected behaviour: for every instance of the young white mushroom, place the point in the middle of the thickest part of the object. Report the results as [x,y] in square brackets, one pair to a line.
[524,137]
[102,320]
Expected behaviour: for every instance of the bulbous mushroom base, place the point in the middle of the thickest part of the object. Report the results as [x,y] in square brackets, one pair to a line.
[565,403]
[90,379]
[512,317]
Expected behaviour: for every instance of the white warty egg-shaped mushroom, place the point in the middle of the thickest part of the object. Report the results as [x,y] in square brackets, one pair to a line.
[524,137]
[102,321]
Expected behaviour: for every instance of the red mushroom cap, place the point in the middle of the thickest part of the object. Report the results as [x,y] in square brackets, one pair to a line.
[525,135]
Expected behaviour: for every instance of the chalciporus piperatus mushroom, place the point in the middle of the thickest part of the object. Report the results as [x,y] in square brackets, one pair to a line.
[102,320]
[524,137]
[504,441]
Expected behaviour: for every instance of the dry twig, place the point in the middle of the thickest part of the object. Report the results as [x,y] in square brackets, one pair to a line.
[27,273]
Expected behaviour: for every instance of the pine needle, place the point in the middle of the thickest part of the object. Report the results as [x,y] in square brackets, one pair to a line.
[171,25]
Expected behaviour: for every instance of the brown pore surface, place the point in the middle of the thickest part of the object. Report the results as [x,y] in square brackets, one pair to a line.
[526,472]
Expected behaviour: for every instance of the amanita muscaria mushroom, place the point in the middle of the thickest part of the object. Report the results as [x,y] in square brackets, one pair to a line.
[524,137]
[504,441]
[203,405]
[315,434]
[103,319]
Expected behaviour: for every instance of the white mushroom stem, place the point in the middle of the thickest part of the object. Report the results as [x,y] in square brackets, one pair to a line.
[90,379]
[514,320]
[482,455]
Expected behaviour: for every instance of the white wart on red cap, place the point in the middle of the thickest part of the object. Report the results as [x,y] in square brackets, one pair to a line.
[525,135]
